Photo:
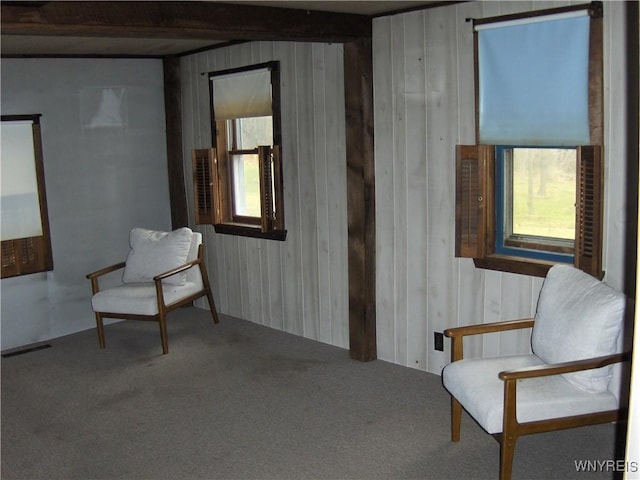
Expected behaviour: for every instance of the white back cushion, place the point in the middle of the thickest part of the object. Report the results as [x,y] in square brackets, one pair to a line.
[578,317]
[154,252]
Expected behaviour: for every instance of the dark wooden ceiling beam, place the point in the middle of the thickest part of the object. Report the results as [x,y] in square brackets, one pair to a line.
[159,19]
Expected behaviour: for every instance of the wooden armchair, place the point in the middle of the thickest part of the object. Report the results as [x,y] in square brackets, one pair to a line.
[569,379]
[164,271]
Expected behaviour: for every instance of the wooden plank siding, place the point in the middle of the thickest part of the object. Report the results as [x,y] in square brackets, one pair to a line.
[424,106]
[299,285]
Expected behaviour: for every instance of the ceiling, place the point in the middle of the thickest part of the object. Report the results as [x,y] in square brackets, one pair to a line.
[30,43]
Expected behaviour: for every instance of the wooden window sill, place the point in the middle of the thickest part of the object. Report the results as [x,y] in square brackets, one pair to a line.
[247,230]
[505,263]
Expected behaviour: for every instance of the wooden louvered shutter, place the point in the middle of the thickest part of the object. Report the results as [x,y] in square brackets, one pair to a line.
[9,264]
[266,188]
[589,210]
[23,256]
[278,221]
[271,204]
[203,183]
[474,200]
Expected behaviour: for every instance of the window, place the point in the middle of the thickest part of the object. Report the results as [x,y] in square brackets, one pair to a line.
[529,193]
[26,244]
[535,202]
[238,183]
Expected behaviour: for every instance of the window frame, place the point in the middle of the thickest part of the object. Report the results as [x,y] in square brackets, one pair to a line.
[476,182]
[213,171]
[24,256]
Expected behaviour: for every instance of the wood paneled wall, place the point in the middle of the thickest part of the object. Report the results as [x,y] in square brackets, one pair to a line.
[300,285]
[424,106]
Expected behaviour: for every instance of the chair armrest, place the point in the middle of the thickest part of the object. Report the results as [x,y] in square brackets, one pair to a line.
[565,367]
[489,327]
[458,333]
[95,288]
[511,427]
[176,270]
[103,271]
[158,278]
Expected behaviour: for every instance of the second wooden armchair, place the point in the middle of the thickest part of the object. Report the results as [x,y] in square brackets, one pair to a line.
[164,271]
[568,380]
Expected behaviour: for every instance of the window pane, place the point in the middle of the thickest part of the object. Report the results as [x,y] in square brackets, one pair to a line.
[246,185]
[253,132]
[19,193]
[544,192]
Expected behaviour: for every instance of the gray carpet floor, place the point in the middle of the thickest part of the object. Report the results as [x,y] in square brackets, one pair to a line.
[241,401]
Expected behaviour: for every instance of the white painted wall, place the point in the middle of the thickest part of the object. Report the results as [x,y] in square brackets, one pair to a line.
[100,182]
[424,106]
[299,285]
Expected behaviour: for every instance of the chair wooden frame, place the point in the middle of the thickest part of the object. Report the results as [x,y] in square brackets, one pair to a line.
[163,309]
[511,428]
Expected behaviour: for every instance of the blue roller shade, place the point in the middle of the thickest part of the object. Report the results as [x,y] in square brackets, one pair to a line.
[533,81]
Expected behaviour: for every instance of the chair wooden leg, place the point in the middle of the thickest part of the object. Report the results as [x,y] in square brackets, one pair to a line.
[207,286]
[507,448]
[100,328]
[162,320]
[456,417]
[212,307]
[509,429]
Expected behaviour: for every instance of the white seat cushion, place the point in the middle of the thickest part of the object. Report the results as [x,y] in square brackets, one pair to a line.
[139,298]
[475,384]
[578,317]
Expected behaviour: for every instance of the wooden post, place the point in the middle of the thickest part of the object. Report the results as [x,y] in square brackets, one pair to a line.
[632,47]
[358,85]
[173,125]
